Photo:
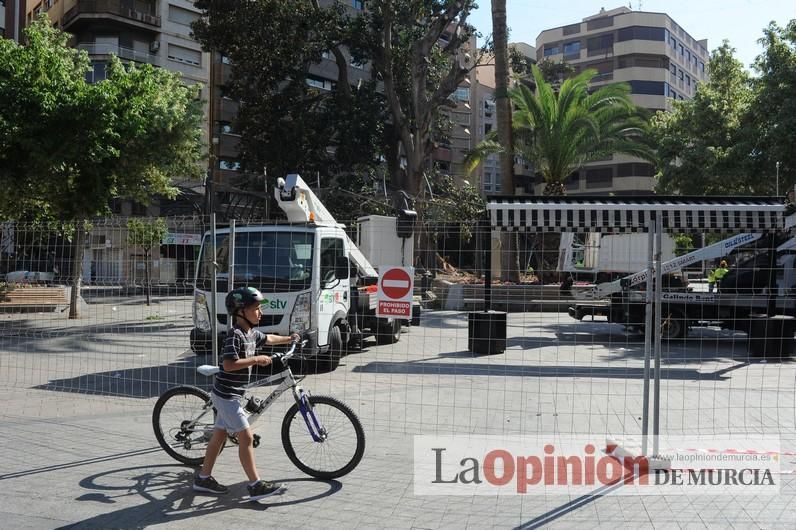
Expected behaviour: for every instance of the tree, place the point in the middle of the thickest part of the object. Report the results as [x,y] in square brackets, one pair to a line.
[67,147]
[419,49]
[561,131]
[290,121]
[148,235]
[769,130]
[701,144]
[510,264]
[502,102]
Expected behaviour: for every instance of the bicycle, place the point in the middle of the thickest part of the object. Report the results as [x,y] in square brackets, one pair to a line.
[184,416]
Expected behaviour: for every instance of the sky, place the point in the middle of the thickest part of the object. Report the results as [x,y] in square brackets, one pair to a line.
[739,21]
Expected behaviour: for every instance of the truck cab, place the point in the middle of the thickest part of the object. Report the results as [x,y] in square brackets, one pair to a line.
[315,280]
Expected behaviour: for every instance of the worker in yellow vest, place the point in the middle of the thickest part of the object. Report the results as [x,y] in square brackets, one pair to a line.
[715,276]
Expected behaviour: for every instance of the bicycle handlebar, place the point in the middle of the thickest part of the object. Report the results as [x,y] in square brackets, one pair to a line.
[290,351]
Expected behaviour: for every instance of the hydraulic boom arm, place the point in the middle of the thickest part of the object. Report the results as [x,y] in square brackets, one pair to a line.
[716,250]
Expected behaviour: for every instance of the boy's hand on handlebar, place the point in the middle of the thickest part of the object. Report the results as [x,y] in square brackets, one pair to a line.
[295,338]
[263,360]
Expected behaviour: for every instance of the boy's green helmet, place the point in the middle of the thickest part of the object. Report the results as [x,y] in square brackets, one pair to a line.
[241,298]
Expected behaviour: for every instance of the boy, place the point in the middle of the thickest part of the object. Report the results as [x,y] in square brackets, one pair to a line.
[243,307]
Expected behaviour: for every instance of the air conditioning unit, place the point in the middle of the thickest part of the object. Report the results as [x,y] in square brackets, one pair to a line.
[154,46]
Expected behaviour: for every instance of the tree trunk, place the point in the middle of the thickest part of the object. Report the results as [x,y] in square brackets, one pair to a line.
[502,102]
[510,267]
[77,269]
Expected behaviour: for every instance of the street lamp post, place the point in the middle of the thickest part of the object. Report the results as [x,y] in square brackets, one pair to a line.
[777,164]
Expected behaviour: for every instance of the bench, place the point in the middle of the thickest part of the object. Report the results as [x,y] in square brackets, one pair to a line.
[33,298]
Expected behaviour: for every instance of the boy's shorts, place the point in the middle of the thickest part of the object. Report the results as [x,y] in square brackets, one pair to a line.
[229,414]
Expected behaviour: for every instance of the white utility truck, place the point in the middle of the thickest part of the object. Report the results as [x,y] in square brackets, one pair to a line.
[593,255]
[743,292]
[315,280]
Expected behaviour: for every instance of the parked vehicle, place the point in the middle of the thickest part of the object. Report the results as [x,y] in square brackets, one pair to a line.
[593,255]
[316,281]
[743,292]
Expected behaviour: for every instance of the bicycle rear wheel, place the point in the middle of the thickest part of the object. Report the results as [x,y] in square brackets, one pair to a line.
[183,420]
[342,441]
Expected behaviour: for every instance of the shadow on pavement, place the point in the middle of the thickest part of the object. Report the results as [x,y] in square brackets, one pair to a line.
[498,368]
[169,497]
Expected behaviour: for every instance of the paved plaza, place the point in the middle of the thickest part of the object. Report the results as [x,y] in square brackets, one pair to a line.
[79,451]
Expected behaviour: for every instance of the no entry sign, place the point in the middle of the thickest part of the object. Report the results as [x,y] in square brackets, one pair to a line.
[395,292]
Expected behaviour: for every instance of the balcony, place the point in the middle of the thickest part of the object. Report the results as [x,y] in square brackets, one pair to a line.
[127,54]
[86,12]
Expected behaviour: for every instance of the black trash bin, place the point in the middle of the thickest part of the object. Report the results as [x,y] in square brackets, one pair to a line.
[486,332]
[771,336]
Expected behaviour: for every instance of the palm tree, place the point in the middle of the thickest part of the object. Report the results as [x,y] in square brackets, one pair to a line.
[509,270]
[560,131]
[502,101]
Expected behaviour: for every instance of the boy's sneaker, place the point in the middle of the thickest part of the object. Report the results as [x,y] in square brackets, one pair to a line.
[208,485]
[263,489]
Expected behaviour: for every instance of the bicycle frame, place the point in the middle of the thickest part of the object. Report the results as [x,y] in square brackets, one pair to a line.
[288,381]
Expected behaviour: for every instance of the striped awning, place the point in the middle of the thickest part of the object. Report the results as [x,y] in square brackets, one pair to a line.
[631,214]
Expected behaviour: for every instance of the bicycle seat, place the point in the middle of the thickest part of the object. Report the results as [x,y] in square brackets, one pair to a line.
[208,369]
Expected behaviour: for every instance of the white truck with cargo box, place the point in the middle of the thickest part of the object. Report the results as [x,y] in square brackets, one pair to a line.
[315,280]
[742,293]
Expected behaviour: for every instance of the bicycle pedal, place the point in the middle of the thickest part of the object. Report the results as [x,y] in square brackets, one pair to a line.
[256,440]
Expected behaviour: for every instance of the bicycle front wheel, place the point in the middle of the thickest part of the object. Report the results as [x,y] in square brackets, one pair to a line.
[342,440]
[183,420]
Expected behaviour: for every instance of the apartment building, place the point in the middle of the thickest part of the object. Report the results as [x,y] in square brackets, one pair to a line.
[658,58]
[11,11]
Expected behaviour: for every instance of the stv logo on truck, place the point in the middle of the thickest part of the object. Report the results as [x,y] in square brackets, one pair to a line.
[273,304]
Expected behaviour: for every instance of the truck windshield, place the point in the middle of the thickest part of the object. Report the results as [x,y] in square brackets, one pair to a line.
[269,261]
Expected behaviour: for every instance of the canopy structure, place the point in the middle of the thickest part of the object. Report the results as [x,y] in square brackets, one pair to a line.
[608,214]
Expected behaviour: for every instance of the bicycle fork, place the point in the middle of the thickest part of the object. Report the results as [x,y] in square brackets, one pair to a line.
[316,430]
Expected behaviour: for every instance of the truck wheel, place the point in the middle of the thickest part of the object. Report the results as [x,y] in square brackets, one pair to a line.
[388,332]
[674,326]
[323,362]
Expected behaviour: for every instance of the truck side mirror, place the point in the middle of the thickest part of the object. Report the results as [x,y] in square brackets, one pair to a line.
[341,267]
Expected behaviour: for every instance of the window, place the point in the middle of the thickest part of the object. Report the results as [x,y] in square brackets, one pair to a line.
[227,128]
[97,73]
[462,94]
[599,177]
[331,249]
[673,69]
[487,128]
[572,29]
[682,50]
[185,55]
[357,65]
[229,165]
[687,80]
[319,83]
[601,42]
[553,49]
[598,23]
[269,261]
[358,4]
[641,33]
[653,88]
[572,48]
[182,16]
